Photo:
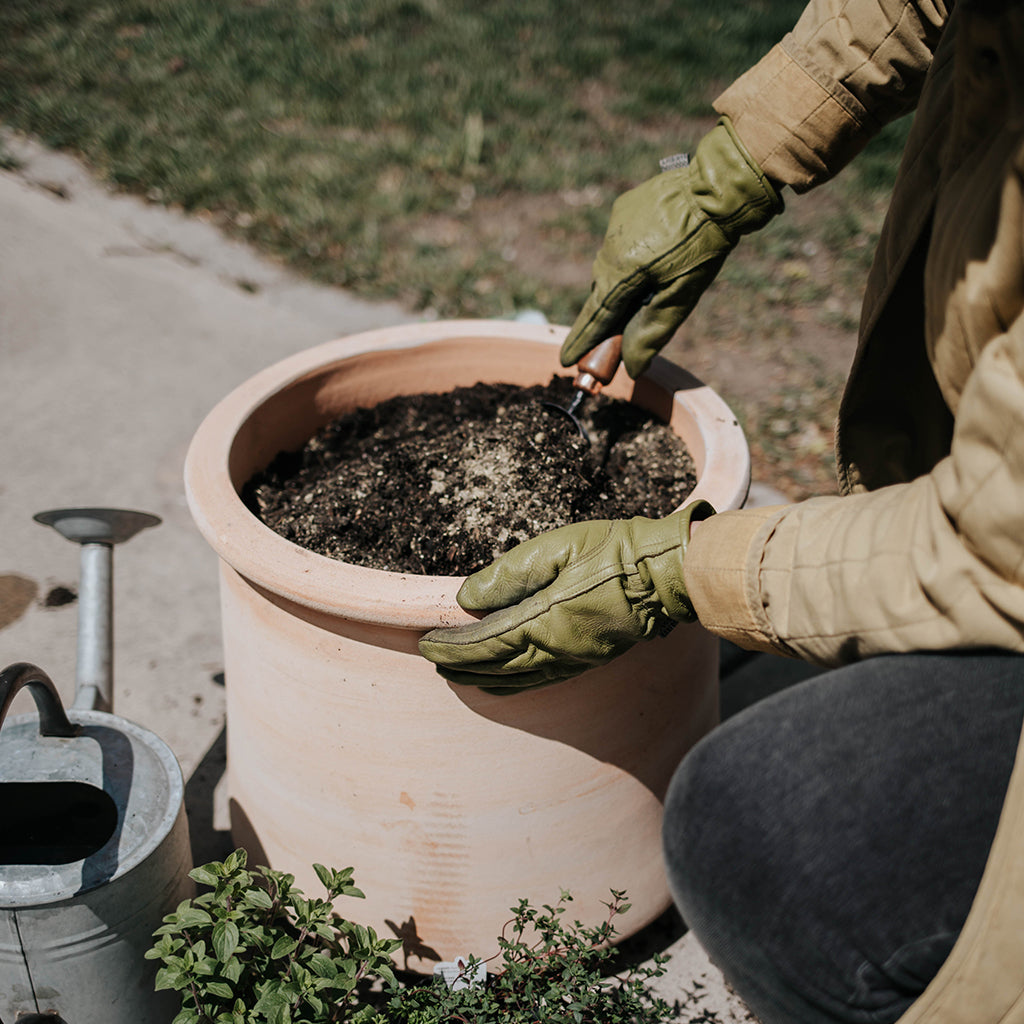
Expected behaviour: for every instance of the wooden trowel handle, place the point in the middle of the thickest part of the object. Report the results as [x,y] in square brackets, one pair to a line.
[598,366]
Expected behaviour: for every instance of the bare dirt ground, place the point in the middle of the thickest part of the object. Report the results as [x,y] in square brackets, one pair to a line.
[779,350]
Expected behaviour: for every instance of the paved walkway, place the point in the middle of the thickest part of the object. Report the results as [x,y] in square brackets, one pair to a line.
[121,325]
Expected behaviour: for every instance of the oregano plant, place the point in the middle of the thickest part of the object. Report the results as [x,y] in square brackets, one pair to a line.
[255,950]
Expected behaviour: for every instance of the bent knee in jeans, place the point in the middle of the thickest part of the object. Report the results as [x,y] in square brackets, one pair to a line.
[825,844]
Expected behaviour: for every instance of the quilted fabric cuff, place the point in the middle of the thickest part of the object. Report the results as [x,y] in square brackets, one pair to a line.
[800,127]
[721,573]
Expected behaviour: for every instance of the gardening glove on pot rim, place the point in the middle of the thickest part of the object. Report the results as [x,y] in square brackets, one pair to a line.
[666,241]
[568,600]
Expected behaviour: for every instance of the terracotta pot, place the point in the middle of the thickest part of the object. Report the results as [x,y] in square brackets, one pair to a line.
[344,745]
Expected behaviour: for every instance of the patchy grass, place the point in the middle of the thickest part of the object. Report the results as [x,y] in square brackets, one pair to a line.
[458,155]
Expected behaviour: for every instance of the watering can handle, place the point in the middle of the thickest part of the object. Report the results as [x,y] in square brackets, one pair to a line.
[53,721]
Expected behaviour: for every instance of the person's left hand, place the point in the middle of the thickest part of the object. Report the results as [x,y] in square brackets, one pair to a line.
[568,600]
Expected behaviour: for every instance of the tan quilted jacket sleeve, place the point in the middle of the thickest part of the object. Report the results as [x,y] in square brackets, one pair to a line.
[935,563]
[847,68]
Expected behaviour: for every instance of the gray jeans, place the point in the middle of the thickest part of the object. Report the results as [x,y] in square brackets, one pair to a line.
[825,844]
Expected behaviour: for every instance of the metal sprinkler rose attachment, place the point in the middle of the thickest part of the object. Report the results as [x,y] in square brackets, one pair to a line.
[97,530]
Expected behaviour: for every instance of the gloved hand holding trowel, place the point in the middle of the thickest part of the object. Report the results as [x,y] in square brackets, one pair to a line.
[582,594]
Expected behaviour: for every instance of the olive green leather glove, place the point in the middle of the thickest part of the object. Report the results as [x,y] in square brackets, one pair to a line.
[568,600]
[666,241]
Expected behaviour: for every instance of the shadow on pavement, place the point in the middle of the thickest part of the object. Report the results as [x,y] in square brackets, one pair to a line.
[208,843]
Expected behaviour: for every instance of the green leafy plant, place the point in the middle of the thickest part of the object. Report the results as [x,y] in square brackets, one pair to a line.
[255,950]
[546,970]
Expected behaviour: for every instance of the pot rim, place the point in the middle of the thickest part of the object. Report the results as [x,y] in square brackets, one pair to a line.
[337,588]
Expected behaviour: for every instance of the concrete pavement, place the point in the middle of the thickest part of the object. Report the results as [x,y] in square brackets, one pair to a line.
[121,325]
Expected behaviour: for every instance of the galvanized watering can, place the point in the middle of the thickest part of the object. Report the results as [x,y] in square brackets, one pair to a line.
[94,844]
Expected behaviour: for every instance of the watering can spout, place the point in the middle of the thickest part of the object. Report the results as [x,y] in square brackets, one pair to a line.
[97,530]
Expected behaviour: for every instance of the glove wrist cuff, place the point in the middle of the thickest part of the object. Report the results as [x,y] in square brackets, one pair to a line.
[757,199]
[666,570]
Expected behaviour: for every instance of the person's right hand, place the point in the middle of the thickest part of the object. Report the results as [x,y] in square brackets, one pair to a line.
[666,241]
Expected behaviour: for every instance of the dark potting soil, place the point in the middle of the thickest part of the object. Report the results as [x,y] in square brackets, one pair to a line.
[441,484]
